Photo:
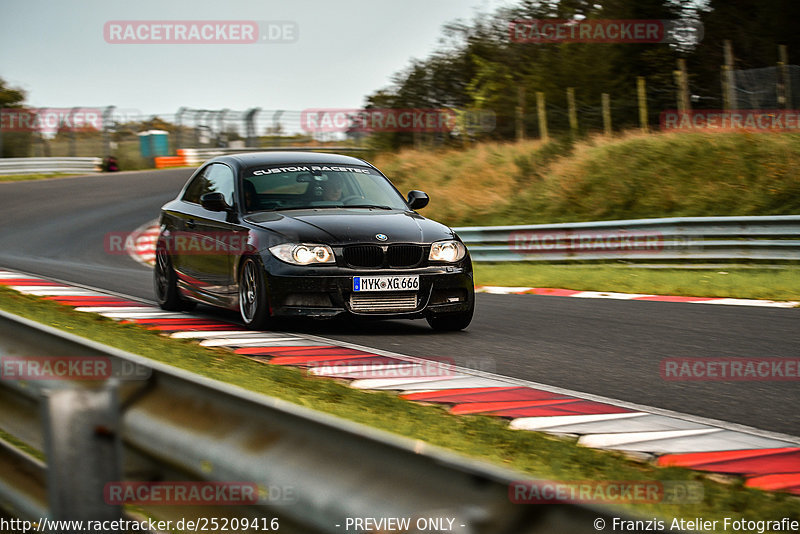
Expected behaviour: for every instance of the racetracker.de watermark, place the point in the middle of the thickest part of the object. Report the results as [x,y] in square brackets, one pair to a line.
[379,120]
[50,120]
[181,493]
[548,31]
[377,367]
[47,368]
[181,243]
[200,32]
[731,369]
[605,491]
[765,120]
[578,242]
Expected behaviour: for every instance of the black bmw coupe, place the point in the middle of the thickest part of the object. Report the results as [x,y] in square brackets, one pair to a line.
[282,234]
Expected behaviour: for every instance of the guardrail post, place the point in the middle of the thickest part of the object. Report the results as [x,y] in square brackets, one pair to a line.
[83,450]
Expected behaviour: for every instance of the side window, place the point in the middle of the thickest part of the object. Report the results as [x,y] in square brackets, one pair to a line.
[214,178]
[220,178]
[197,187]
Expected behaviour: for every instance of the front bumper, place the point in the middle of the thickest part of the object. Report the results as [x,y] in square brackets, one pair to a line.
[325,291]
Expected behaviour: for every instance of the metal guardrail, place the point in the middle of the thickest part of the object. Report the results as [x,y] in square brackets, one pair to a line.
[50,165]
[174,425]
[769,238]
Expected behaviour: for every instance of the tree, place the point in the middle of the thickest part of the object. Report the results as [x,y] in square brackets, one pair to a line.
[482,67]
[755,29]
[14,144]
[10,97]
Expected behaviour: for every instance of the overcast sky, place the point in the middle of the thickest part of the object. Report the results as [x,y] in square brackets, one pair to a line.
[57,52]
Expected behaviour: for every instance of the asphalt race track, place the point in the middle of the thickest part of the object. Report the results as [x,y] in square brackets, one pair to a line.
[613,348]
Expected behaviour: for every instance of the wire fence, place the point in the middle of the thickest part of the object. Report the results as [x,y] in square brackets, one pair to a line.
[106,131]
[763,88]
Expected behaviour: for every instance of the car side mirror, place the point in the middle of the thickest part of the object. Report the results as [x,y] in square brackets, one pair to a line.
[214,202]
[417,200]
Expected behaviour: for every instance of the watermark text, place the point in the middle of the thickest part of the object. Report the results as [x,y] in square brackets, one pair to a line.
[731,369]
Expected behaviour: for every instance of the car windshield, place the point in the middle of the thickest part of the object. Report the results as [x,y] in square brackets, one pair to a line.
[304,186]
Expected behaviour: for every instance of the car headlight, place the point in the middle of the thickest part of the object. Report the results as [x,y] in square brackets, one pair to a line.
[447,251]
[303,253]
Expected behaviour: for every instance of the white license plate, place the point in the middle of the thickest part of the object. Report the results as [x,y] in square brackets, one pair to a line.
[385,283]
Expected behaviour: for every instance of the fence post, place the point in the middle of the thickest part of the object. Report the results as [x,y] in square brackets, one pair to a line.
[785,82]
[463,127]
[45,145]
[520,115]
[641,88]
[83,450]
[540,106]
[222,137]
[728,85]
[107,114]
[250,127]
[572,111]
[179,129]
[200,127]
[682,81]
[276,126]
[73,147]
[606,113]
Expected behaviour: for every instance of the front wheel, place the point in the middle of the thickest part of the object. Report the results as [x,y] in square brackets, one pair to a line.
[165,283]
[451,322]
[253,304]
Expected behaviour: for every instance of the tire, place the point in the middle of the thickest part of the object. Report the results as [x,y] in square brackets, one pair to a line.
[165,284]
[253,300]
[451,322]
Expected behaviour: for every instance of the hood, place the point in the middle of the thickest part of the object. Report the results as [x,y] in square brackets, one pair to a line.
[342,226]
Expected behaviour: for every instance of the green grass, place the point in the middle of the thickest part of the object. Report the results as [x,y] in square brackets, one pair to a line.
[724,281]
[487,438]
[21,445]
[26,177]
[627,177]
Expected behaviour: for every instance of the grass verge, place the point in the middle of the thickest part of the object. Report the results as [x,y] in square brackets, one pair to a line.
[595,179]
[28,177]
[487,438]
[724,281]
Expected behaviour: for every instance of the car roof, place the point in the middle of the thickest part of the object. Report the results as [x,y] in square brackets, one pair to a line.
[254,159]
